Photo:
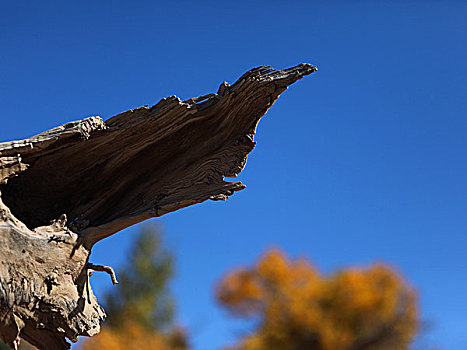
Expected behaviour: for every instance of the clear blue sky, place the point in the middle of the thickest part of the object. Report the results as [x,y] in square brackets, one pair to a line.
[364,160]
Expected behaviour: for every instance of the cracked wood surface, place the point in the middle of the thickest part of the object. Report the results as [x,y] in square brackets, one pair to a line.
[104,177]
[45,295]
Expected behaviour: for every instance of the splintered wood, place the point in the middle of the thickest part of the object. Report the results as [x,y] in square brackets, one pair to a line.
[69,187]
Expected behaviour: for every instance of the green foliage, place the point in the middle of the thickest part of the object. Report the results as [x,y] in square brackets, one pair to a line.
[140,308]
[142,296]
[23,345]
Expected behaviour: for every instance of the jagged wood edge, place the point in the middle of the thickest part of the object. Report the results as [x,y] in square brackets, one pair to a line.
[45,296]
[44,290]
[206,139]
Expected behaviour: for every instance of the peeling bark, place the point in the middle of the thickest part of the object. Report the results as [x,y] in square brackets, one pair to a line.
[104,177]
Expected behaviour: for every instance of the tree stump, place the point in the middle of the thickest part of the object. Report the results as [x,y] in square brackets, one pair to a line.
[67,188]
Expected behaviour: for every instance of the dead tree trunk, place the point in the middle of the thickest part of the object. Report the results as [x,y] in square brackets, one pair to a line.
[69,187]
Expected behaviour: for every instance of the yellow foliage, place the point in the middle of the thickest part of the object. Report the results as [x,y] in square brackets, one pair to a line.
[141,309]
[134,337]
[297,308]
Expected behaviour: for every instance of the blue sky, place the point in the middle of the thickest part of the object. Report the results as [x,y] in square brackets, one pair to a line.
[363,161]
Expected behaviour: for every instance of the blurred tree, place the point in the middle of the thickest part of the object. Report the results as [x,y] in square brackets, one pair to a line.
[23,345]
[141,308]
[299,309]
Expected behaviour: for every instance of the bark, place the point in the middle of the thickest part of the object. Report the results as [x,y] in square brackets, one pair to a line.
[69,187]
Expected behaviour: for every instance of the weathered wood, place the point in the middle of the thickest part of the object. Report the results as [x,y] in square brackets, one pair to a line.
[104,177]
[45,295]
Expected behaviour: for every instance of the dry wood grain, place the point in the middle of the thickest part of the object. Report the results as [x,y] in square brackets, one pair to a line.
[69,187]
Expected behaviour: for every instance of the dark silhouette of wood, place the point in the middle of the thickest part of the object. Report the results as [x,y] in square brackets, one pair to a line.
[69,187]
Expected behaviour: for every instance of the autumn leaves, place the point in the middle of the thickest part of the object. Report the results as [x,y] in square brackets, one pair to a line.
[298,308]
[295,306]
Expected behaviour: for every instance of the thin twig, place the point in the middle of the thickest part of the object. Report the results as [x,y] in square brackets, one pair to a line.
[107,269]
